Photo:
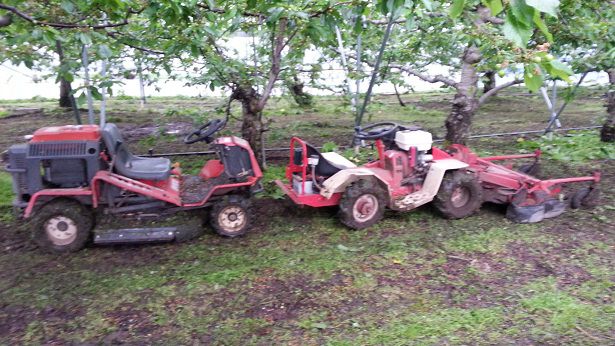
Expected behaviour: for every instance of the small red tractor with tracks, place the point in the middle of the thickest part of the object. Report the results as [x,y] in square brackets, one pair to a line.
[410,172]
[65,173]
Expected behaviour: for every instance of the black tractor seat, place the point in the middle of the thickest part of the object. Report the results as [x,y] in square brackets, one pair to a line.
[327,166]
[129,165]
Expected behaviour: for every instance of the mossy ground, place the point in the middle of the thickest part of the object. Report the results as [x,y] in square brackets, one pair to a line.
[300,277]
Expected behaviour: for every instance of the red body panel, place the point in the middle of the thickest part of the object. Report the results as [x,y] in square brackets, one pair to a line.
[67,133]
[81,191]
[212,169]
[312,200]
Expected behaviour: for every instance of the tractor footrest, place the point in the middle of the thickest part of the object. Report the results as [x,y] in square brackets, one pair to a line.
[135,235]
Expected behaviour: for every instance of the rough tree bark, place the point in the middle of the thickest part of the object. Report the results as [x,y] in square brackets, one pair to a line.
[251,117]
[488,81]
[607,134]
[65,87]
[302,98]
[465,102]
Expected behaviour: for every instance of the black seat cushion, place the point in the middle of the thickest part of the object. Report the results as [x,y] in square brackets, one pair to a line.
[132,166]
[323,168]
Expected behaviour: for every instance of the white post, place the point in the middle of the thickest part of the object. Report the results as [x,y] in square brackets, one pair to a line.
[340,44]
[141,86]
[103,102]
[84,60]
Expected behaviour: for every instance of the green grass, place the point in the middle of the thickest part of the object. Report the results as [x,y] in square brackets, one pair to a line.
[577,147]
[6,189]
[299,276]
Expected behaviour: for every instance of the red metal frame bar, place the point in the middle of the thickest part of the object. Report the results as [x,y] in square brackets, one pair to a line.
[81,191]
[536,155]
[313,200]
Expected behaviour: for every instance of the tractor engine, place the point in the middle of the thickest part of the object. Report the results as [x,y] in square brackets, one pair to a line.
[421,141]
[55,157]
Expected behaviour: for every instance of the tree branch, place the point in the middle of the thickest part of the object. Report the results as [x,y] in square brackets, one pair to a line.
[142,49]
[427,78]
[276,56]
[495,90]
[60,25]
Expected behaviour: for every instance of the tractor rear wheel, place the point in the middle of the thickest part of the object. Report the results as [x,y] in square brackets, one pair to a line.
[460,195]
[62,226]
[362,205]
[231,217]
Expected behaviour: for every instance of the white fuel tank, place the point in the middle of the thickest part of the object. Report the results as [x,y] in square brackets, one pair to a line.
[422,140]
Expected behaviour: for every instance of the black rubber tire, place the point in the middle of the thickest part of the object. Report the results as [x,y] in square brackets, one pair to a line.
[217,218]
[586,197]
[532,169]
[80,215]
[352,194]
[444,199]
[189,230]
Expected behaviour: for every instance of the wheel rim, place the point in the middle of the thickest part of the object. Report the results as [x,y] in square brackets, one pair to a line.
[232,219]
[460,196]
[61,230]
[365,207]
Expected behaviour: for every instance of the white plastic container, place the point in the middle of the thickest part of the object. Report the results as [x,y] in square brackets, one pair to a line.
[297,186]
[422,140]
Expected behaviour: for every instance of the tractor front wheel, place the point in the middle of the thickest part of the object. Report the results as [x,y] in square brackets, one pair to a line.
[362,205]
[231,216]
[62,226]
[460,195]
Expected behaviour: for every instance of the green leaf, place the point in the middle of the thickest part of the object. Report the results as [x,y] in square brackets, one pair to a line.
[319,325]
[251,4]
[542,26]
[532,80]
[495,6]
[522,12]
[95,93]
[516,31]
[85,38]
[556,64]
[428,4]
[546,6]
[104,51]
[456,8]
[410,23]
[81,99]
[67,6]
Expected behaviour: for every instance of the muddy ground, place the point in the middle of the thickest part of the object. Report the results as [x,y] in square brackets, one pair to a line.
[300,277]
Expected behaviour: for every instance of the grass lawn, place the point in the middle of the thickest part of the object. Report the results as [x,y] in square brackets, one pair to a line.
[300,277]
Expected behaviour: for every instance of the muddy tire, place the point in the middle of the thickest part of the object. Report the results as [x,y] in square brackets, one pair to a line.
[532,169]
[586,197]
[232,216]
[460,195]
[362,205]
[62,226]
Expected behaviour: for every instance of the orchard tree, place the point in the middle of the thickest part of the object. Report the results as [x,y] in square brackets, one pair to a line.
[467,37]
[38,34]
[198,34]
[586,35]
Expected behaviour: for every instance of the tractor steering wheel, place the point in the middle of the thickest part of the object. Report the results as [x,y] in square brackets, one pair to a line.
[204,132]
[375,131]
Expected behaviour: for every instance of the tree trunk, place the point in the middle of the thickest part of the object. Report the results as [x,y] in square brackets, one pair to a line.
[465,102]
[302,98]
[607,134]
[488,81]
[67,99]
[65,93]
[251,118]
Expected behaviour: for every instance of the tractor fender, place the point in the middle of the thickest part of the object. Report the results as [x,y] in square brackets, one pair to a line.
[340,180]
[431,185]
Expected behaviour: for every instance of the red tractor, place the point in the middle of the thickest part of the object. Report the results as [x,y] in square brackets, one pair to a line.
[410,172]
[64,173]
